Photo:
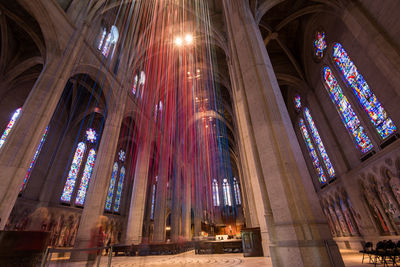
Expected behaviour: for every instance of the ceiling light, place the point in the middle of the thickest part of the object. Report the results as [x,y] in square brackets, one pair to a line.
[188,39]
[178,41]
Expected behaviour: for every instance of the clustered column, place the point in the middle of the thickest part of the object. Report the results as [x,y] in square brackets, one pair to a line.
[299,234]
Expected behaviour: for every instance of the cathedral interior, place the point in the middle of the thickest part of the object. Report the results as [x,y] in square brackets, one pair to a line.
[161,122]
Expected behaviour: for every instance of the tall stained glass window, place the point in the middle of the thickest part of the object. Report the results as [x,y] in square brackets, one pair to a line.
[226,187]
[87,173]
[346,112]
[376,113]
[119,189]
[320,44]
[313,154]
[111,187]
[237,191]
[10,125]
[73,172]
[39,148]
[102,38]
[107,42]
[153,200]
[297,102]
[215,193]
[135,84]
[319,143]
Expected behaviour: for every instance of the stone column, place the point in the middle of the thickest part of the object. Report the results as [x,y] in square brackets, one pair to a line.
[299,233]
[98,186]
[160,209]
[19,149]
[255,187]
[186,205]
[139,193]
[176,205]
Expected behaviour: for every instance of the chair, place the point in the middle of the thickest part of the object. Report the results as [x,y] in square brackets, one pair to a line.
[367,250]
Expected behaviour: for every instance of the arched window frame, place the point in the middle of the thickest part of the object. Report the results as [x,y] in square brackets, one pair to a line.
[313,142]
[215,192]
[236,188]
[226,189]
[33,162]
[312,152]
[362,92]
[352,122]
[85,152]
[153,198]
[10,126]
[116,186]
[108,40]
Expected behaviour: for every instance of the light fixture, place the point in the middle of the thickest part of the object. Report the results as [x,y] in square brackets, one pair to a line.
[178,41]
[189,38]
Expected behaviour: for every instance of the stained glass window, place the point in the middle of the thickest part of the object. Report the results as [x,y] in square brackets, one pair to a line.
[111,187]
[376,113]
[319,143]
[102,37]
[112,39]
[91,135]
[135,84]
[237,192]
[87,173]
[73,172]
[313,154]
[320,44]
[153,202]
[346,112]
[215,192]
[119,189]
[122,155]
[142,81]
[39,148]
[10,126]
[297,102]
[226,187]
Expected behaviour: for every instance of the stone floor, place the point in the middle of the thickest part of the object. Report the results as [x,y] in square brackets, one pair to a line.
[189,259]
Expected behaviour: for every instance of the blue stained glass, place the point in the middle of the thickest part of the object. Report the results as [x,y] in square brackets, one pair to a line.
[91,135]
[313,154]
[39,148]
[10,125]
[215,193]
[378,116]
[153,200]
[320,44]
[237,192]
[119,189]
[87,173]
[297,102]
[111,187]
[122,155]
[320,144]
[73,172]
[346,112]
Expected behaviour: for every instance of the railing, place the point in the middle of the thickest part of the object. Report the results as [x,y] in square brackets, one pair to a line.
[46,259]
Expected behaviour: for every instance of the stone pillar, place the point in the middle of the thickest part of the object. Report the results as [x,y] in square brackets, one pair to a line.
[98,186]
[255,187]
[299,233]
[160,209]
[19,149]
[186,205]
[176,205]
[139,193]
